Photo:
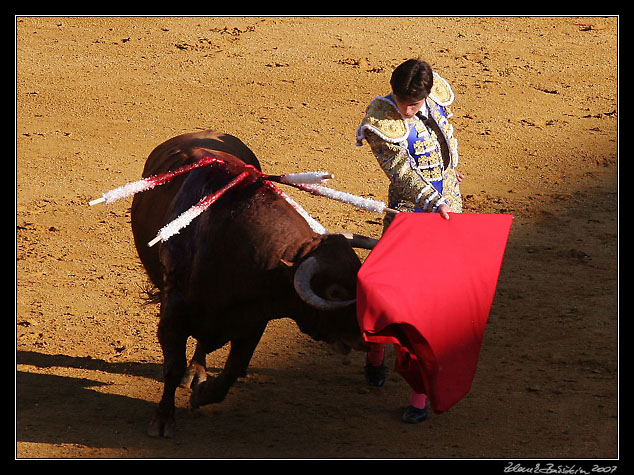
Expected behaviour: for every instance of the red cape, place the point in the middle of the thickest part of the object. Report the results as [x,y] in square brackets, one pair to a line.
[427,287]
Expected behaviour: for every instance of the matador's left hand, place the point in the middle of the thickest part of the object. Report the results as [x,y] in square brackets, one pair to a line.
[444,210]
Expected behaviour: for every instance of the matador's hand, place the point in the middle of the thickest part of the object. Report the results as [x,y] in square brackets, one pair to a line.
[443,209]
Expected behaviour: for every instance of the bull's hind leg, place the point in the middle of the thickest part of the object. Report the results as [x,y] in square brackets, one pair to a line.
[173,339]
[242,349]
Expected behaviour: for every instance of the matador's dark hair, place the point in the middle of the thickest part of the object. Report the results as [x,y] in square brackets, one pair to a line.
[412,79]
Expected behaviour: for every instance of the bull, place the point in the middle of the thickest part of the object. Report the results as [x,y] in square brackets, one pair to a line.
[250,258]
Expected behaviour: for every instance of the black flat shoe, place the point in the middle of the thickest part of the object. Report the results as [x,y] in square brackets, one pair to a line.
[414,415]
[375,375]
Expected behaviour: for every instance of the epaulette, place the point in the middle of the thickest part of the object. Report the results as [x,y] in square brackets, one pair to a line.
[441,92]
[383,118]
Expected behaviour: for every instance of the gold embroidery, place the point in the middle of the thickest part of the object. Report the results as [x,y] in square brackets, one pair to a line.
[383,119]
[441,92]
[429,166]
[451,191]
[420,128]
[423,146]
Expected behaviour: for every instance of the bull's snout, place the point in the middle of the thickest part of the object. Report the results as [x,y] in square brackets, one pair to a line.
[346,345]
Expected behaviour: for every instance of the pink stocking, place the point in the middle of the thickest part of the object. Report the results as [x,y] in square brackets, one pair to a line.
[418,400]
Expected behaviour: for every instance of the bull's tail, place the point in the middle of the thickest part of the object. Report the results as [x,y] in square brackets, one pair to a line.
[150,294]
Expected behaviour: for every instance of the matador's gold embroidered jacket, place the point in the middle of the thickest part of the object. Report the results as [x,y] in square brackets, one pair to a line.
[410,154]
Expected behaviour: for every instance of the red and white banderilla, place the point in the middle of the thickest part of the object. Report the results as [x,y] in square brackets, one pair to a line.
[186,217]
[148,183]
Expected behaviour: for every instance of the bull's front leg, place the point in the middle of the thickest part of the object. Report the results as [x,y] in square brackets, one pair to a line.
[242,349]
[173,339]
[197,370]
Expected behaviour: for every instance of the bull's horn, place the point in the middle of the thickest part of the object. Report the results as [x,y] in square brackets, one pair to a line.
[303,276]
[359,241]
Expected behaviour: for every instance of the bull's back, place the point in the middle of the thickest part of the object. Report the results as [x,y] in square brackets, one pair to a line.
[149,209]
[180,150]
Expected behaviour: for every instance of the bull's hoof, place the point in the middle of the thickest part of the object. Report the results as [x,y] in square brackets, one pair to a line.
[208,392]
[195,374]
[161,426]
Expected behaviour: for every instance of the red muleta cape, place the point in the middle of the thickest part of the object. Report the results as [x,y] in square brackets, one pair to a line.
[427,287]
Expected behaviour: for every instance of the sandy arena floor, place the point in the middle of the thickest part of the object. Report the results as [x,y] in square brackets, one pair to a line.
[536,119]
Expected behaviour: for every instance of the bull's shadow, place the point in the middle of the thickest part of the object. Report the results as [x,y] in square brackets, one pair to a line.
[41,360]
[130,368]
[55,409]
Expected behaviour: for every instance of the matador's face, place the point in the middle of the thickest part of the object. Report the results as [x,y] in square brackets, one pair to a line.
[408,107]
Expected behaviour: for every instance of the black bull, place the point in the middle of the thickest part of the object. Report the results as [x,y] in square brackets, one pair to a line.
[248,259]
